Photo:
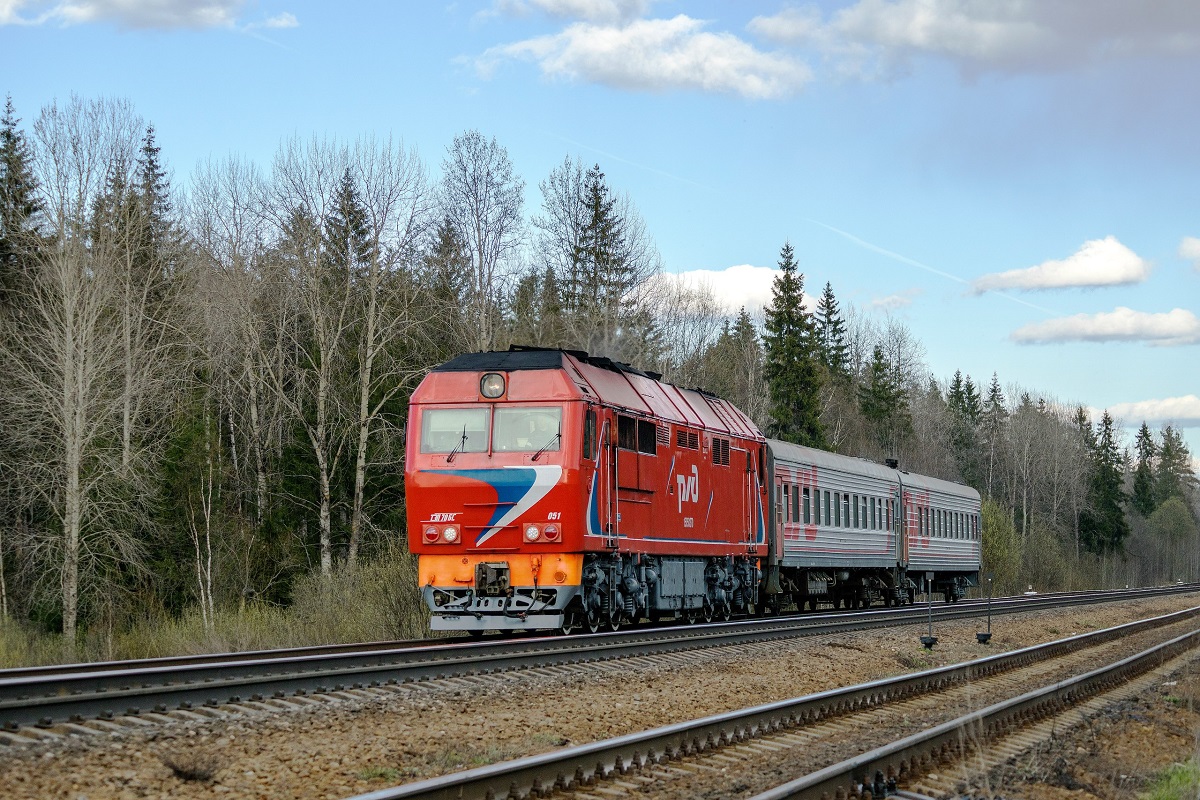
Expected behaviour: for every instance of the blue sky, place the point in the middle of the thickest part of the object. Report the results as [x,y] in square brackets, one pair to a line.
[1018,182]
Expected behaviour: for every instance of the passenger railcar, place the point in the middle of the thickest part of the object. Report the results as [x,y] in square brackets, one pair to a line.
[548,489]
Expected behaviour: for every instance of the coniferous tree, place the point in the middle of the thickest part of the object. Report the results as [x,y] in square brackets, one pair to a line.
[831,335]
[1143,499]
[1103,526]
[884,404]
[1173,475]
[994,417]
[19,203]
[791,363]
[734,365]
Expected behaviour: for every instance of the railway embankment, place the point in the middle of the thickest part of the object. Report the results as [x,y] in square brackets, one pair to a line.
[348,746]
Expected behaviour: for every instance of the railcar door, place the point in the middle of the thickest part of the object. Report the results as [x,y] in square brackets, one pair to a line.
[898,526]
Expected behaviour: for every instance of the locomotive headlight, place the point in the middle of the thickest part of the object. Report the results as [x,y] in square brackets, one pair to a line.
[550,533]
[491,385]
[450,534]
[531,533]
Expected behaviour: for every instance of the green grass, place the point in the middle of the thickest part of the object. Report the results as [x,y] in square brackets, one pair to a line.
[379,774]
[1177,782]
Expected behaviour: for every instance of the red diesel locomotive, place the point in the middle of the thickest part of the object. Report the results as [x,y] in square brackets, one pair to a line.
[547,489]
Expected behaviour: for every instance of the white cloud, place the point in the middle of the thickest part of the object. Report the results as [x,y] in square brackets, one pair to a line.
[657,55]
[1176,327]
[1183,412]
[1099,262]
[141,14]
[610,11]
[1189,248]
[1020,36]
[895,302]
[743,285]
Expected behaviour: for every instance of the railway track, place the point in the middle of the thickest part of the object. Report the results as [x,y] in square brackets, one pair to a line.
[901,734]
[38,702]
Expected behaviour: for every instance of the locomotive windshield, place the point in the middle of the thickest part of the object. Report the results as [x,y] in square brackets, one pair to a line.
[454,430]
[514,429]
[520,429]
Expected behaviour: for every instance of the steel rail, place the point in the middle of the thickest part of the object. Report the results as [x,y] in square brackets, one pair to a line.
[584,764]
[915,754]
[61,670]
[47,699]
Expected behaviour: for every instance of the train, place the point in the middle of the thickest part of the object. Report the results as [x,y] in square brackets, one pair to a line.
[552,490]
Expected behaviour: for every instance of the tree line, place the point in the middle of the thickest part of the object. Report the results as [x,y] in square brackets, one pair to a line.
[206,384]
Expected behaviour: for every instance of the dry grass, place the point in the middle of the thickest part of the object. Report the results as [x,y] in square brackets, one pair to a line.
[377,601]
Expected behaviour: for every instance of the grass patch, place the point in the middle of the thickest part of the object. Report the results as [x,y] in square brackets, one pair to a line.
[379,600]
[1176,782]
[375,773]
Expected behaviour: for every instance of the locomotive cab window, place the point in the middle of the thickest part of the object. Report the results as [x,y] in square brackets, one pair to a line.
[589,434]
[520,429]
[454,430]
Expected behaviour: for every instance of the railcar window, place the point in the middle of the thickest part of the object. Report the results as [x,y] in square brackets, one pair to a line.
[647,434]
[589,434]
[837,509]
[862,506]
[846,509]
[874,520]
[796,503]
[521,429]
[454,430]
[785,496]
[807,507]
[854,505]
[828,519]
[626,433]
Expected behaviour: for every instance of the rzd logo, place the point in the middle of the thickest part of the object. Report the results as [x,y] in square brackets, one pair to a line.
[689,487]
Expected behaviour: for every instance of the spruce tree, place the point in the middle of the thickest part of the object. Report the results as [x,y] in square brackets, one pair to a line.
[1173,475]
[347,236]
[995,415]
[1102,524]
[831,334]
[884,404]
[1143,477]
[19,204]
[791,363]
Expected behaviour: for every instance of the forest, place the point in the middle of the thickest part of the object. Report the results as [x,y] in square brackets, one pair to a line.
[205,383]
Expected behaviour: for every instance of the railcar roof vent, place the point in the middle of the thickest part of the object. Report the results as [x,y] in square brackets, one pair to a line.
[891,462]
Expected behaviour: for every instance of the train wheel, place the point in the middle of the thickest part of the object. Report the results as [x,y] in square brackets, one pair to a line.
[593,622]
[569,624]
[614,623]
[726,613]
[707,612]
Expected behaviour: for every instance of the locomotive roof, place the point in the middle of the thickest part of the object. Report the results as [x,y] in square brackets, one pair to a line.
[860,466]
[617,384]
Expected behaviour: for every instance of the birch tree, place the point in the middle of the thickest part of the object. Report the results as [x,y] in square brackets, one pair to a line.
[65,361]
[482,196]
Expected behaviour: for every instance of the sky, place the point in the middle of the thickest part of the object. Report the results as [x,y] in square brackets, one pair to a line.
[1017,182]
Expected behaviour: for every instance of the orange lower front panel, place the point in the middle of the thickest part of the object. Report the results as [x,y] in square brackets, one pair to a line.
[544,569]
[500,591]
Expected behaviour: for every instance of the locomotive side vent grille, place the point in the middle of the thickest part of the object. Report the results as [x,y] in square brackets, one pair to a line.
[689,440]
[720,451]
[663,434]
